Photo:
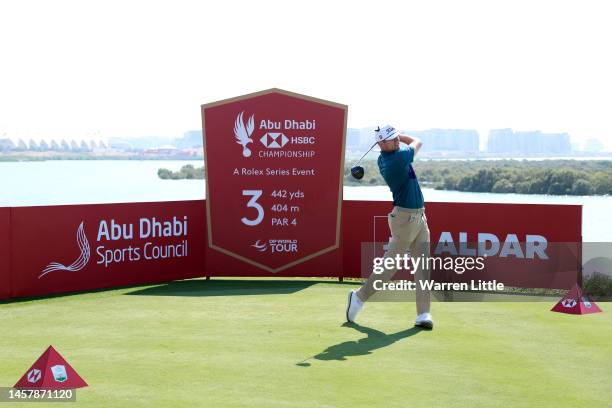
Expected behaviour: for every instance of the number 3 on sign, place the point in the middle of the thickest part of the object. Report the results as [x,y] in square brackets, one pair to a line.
[255,194]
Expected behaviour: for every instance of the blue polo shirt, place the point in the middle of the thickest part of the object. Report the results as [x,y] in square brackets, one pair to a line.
[396,169]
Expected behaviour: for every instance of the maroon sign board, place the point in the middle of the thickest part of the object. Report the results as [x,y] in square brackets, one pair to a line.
[274,167]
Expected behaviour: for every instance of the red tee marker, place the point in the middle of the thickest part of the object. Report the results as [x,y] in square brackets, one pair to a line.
[51,372]
[576,303]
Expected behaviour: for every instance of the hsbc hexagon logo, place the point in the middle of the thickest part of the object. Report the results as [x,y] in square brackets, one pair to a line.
[568,303]
[34,376]
[274,140]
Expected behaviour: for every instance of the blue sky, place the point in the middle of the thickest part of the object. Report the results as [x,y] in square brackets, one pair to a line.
[126,68]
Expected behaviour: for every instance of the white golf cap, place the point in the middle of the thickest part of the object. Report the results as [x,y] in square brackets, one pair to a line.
[387,132]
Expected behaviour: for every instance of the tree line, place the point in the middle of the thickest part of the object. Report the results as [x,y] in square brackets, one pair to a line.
[186,172]
[553,177]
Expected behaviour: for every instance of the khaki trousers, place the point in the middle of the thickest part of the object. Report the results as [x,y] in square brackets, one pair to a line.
[409,233]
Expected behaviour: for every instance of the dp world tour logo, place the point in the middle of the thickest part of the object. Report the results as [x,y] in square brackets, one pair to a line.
[276,245]
[80,262]
[260,246]
[243,132]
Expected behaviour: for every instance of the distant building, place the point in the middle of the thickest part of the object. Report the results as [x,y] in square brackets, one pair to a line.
[509,142]
[138,143]
[593,146]
[166,150]
[6,145]
[21,145]
[441,141]
[42,145]
[33,145]
[121,145]
[436,142]
[190,139]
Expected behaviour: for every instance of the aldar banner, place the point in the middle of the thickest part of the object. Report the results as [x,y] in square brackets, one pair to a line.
[274,167]
[521,245]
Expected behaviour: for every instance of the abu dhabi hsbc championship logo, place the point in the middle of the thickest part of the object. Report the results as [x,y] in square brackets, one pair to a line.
[243,132]
[586,302]
[59,373]
[79,263]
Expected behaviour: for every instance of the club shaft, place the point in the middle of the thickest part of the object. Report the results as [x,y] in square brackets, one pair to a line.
[369,150]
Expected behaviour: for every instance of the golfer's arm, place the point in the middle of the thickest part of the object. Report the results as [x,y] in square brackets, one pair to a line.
[411,141]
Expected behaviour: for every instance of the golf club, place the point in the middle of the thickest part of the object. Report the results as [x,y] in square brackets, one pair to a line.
[357,171]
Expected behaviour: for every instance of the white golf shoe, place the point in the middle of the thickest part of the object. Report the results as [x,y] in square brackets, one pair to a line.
[353,307]
[424,320]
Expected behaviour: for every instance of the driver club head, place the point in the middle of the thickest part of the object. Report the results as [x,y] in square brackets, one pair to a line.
[357,172]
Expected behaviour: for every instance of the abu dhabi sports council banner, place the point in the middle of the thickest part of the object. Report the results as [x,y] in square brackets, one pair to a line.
[520,245]
[274,168]
[5,261]
[72,248]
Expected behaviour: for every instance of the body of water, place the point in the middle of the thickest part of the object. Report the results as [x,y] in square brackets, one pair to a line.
[102,181]
[93,181]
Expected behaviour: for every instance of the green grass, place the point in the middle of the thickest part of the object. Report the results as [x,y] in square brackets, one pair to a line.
[263,343]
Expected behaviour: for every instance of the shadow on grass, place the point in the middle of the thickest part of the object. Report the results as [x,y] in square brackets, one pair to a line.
[68,294]
[182,288]
[231,287]
[375,339]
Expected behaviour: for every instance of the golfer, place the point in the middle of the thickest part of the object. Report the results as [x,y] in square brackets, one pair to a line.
[407,221]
